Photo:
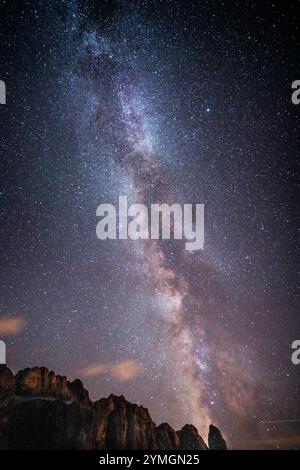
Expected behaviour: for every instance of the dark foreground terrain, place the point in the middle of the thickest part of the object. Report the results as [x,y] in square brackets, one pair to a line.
[42,410]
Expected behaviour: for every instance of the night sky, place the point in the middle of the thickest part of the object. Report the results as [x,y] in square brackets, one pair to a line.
[162,101]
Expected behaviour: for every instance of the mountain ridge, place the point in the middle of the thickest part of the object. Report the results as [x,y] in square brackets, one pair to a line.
[42,410]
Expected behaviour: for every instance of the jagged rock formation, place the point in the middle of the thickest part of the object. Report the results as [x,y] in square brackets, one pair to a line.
[167,438]
[42,410]
[215,439]
[190,439]
[39,382]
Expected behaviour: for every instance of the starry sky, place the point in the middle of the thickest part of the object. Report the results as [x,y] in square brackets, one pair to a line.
[162,101]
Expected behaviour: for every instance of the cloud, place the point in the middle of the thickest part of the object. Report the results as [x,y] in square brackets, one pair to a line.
[11,325]
[126,370]
[123,370]
[93,370]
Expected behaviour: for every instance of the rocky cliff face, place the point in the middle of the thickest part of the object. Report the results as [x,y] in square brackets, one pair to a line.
[39,382]
[215,439]
[42,410]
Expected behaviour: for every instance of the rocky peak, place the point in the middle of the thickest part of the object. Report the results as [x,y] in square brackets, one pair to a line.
[167,438]
[190,439]
[215,439]
[39,382]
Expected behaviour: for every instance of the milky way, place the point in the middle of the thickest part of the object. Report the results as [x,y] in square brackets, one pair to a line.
[162,102]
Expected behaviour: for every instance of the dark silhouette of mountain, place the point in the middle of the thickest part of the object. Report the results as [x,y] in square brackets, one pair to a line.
[42,410]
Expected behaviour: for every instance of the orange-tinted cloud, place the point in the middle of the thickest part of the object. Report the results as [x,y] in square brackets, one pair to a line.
[123,370]
[126,370]
[93,370]
[11,325]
